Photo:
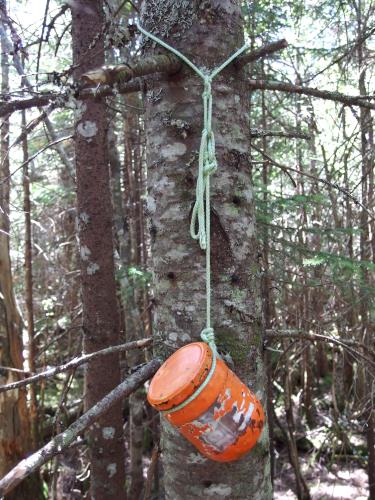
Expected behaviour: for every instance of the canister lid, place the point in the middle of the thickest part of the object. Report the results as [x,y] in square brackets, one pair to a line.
[180,376]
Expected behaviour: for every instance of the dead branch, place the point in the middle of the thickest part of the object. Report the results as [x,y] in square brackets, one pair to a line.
[347,100]
[44,25]
[166,63]
[109,75]
[257,132]
[20,70]
[61,98]
[126,86]
[54,447]
[74,363]
[277,164]
[29,128]
[53,20]
[313,337]
[14,370]
[265,50]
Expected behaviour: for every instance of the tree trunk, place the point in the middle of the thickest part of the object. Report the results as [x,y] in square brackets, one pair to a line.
[15,439]
[132,137]
[94,214]
[207,33]
[266,285]
[367,328]
[29,306]
[347,380]
[301,486]
[303,294]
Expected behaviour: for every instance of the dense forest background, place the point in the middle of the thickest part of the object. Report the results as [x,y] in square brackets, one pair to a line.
[312,167]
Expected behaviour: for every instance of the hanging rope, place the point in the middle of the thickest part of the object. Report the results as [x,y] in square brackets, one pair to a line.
[207,165]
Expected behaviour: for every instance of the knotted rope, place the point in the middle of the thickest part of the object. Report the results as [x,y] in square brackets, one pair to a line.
[207,165]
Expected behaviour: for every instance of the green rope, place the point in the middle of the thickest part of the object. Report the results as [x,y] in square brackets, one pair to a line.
[207,165]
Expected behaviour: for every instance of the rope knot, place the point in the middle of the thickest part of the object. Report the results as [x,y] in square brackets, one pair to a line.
[208,335]
[210,167]
[207,92]
[207,87]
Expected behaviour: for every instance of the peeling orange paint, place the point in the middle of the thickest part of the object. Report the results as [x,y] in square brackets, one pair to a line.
[225,420]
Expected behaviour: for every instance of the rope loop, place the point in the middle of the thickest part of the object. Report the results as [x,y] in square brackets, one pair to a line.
[207,165]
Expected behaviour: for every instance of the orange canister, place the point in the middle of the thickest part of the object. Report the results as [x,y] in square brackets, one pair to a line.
[222,419]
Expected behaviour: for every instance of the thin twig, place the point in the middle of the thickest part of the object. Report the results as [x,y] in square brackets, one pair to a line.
[49,145]
[312,337]
[285,169]
[15,370]
[274,162]
[347,100]
[28,129]
[44,25]
[257,132]
[74,363]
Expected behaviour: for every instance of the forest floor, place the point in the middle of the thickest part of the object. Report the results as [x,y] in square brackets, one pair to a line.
[332,470]
[345,481]
[332,455]
[339,482]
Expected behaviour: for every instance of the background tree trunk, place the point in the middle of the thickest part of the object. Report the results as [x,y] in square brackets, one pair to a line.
[15,439]
[367,326]
[173,123]
[29,304]
[94,214]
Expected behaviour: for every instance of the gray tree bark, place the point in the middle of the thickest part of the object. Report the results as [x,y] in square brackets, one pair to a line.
[206,32]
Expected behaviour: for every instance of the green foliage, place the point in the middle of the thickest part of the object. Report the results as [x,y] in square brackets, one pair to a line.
[50,195]
[132,278]
[314,261]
